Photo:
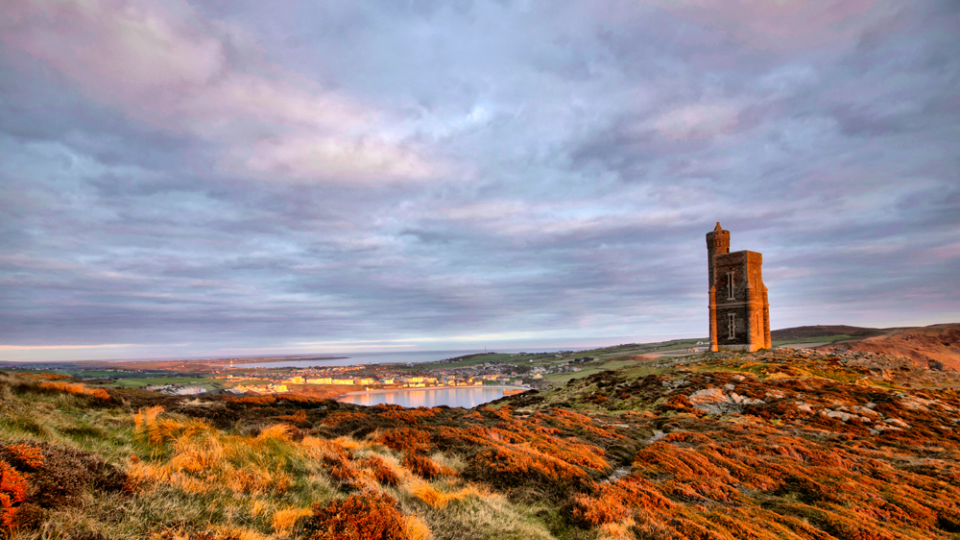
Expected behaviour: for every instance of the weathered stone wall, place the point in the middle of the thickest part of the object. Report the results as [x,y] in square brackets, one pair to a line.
[718,243]
[736,289]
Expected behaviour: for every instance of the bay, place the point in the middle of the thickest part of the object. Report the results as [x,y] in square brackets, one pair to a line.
[459,396]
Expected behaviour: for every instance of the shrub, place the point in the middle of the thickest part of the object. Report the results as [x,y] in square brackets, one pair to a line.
[513,464]
[407,416]
[364,516]
[59,476]
[13,491]
[297,398]
[30,456]
[343,471]
[423,466]
[253,400]
[380,469]
[616,501]
[335,419]
[300,417]
[406,440]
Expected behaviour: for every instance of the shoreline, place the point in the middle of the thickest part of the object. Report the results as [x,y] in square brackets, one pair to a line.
[384,391]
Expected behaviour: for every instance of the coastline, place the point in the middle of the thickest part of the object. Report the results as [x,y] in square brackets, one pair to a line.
[385,391]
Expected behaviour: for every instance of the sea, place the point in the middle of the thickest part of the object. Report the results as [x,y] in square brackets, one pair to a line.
[466,397]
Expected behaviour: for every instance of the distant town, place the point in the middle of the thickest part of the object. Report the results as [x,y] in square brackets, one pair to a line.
[237,376]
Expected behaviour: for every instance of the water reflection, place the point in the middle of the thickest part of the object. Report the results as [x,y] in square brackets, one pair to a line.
[466,397]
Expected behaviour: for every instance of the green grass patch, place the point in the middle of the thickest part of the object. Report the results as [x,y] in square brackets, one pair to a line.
[819,339]
[208,383]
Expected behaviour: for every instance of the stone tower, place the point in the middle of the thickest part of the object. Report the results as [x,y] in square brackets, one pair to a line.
[739,310]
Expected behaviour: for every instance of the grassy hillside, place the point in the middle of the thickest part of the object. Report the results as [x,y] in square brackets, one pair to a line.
[805,333]
[771,445]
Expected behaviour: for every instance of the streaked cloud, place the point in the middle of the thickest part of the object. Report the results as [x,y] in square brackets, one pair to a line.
[208,178]
[61,347]
[164,63]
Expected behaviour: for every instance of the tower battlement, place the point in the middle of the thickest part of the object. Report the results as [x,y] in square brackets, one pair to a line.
[739,308]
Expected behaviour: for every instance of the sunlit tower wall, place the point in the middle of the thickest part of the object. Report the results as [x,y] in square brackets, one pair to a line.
[718,242]
[739,309]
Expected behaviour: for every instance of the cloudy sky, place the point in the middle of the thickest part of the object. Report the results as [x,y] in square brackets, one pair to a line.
[219,177]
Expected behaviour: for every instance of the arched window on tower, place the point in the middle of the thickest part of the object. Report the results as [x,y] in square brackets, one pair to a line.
[731,326]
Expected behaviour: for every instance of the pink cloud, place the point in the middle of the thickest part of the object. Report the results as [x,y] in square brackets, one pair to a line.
[162,63]
[304,158]
[126,50]
[696,121]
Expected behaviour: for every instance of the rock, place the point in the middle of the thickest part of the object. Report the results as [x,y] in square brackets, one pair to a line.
[657,435]
[743,400]
[866,412]
[714,401]
[897,422]
[915,403]
[839,415]
[775,394]
[708,395]
[618,474]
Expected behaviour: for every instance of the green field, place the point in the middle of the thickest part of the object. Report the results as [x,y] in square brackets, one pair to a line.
[143,382]
[80,373]
[820,339]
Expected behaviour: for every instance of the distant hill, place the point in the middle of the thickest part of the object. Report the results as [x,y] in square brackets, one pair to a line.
[936,346]
[806,332]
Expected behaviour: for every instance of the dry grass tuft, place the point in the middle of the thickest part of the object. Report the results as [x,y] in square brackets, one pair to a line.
[76,388]
[415,529]
[436,498]
[284,520]
[277,432]
[205,460]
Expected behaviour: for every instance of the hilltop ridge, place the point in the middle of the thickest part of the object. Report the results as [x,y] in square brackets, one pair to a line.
[788,443]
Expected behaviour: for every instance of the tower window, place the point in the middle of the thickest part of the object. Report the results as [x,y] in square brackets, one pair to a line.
[731,325]
[729,285]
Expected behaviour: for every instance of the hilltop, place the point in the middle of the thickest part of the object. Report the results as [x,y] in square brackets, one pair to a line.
[937,347]
[786,443]
[800,333]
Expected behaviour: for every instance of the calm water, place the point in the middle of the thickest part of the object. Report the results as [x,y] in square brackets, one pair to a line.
[465,397]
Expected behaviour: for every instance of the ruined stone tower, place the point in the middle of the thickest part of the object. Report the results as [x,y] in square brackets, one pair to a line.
[739,310]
